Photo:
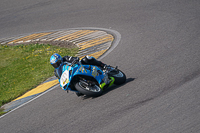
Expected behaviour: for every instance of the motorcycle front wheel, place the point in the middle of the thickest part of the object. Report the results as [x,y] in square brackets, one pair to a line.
[92,91]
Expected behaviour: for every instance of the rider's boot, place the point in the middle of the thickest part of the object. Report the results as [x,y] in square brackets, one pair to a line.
[89,60]
[79,94]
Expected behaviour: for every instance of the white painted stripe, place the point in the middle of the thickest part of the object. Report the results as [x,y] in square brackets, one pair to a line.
[89,37]
[30,100]
[106,44]
[7,40]
[93,50]
[61,33]
[89,53]
[56,35]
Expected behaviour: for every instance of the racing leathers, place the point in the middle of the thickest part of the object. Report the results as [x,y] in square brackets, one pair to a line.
[87,60]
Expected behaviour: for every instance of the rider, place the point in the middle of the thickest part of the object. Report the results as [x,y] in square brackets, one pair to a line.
[56,61]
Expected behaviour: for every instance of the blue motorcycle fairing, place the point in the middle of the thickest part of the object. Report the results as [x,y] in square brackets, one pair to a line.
[90,70]
[69,72]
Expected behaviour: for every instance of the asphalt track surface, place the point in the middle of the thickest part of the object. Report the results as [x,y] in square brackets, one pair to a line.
[159,51]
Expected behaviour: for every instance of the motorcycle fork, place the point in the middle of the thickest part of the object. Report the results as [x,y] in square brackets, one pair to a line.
[87,83]
[104,85]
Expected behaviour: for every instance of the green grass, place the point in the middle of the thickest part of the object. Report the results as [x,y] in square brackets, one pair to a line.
[2,112]
[23,67]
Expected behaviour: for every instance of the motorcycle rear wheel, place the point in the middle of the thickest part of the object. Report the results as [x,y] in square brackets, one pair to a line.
[92,91]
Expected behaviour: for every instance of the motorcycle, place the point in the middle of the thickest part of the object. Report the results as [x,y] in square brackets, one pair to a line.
[89,80]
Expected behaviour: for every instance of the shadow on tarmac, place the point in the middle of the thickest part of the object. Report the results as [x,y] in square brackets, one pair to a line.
[109,89]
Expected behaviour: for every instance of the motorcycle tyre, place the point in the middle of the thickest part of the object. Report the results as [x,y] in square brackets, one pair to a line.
[86,92]
[119,80]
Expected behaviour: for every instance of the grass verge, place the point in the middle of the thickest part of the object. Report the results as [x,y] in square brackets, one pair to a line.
[23,67]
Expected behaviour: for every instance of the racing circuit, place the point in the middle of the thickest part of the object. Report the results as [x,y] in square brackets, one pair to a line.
[92,42]
[158,50]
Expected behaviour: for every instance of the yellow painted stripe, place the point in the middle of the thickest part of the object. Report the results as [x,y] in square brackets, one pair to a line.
[83,33]
[75,35]
[41,88]
[62,37]
[95,42]
[20,39]
[30,37]
[96,39]
[97,54]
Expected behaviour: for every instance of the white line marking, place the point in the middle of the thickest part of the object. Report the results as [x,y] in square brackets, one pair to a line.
[29,101]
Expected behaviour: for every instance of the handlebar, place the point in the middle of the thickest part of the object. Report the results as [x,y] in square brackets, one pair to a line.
[75,62]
